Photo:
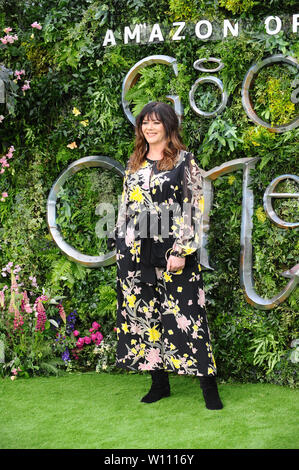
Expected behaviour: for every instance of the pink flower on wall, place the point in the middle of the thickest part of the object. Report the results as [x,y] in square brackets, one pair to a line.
[26,85]
[36,25]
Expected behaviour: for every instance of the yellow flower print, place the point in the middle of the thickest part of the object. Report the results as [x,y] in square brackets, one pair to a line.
[167,277]
[189,363]
[136,194]
[210,370]
[133,341]
[134,351]
[195,327]
[176,309]
[172,347]
[154,335]
[201,204]
[188,250]
[176,362]
[131,299]
[145,309]
[141,352]
[125,327]
[170,332]
[199,267]
[179,289]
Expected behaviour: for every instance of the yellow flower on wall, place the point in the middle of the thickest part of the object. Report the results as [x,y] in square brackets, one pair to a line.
[76,111]
[261,216]
[73,145]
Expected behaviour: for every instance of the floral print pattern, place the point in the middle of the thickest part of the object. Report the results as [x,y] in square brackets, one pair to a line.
[162,325]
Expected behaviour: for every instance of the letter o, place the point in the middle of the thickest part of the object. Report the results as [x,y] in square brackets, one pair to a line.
[248,79]
[278,24]
[217,82]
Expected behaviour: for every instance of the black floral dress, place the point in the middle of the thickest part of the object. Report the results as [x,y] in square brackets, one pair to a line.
[161,317]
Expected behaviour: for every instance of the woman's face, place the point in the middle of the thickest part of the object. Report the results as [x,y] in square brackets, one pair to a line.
[153,130]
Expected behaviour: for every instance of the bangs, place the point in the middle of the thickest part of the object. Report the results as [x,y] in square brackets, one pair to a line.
[153,116]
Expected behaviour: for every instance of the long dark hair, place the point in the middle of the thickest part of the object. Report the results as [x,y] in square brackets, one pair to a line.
[166,114]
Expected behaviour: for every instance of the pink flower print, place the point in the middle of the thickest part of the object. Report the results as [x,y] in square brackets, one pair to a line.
[194,334]
[183,323]
[130,237]
[190,302]
[153,356]
[201,298]
[36,25]
[146,173]
[136,329]
[144,366]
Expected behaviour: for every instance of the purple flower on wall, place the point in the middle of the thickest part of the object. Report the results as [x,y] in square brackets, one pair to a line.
[65,355]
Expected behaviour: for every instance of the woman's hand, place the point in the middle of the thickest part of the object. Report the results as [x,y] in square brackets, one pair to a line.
[174,263]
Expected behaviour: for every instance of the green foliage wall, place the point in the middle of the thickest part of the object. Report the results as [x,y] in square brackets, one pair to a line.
[73,109]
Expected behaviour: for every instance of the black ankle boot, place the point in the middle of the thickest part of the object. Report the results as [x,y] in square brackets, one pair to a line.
[160,387]
[210,393]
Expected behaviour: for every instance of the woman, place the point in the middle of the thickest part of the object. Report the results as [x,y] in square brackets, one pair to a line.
[161,320]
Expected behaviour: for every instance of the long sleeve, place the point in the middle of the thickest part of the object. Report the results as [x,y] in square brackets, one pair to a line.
[187,228]
[120,226]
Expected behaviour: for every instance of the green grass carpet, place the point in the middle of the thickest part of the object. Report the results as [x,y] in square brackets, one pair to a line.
[103,411]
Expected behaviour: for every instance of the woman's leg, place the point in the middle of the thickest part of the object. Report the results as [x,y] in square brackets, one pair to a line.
[210,393]
[160,387]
